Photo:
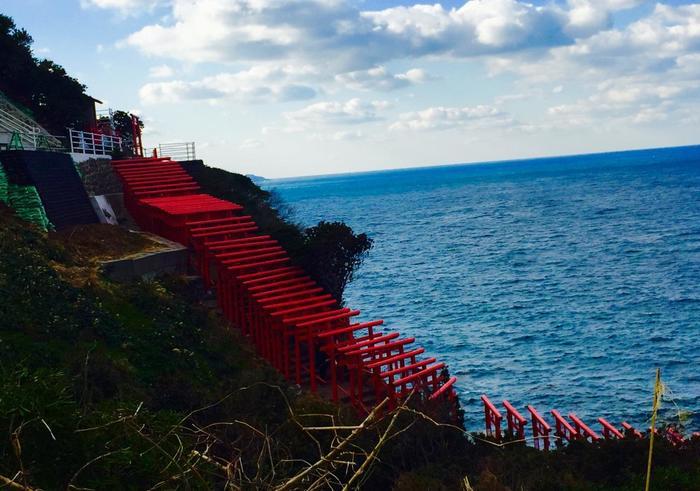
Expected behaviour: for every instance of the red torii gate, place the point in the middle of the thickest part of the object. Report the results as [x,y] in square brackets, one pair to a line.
[564,430]
[290,319]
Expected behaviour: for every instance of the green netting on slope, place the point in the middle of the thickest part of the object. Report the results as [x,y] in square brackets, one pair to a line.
[27,204]
[3,185]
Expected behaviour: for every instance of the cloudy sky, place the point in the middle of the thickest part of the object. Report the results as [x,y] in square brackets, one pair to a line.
[301,87]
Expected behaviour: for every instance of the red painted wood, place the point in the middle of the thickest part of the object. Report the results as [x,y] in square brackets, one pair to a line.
[288,316]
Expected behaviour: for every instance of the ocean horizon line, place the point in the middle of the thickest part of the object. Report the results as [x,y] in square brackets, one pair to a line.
[525,276]
[473,163]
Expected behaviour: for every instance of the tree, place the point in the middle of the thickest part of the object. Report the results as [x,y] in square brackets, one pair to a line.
[332,254]
[57,99]
[54,98]
[16,59]
[122,125]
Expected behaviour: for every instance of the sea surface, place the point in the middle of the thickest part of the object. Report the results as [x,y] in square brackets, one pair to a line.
[557,282]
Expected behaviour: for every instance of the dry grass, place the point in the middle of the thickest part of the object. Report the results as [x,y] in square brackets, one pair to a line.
[99,242]
[86,246]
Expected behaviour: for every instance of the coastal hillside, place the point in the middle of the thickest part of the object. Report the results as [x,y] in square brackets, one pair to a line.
[151,380]
[140,386]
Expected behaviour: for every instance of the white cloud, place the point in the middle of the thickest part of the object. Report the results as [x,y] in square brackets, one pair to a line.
[263,83]
[130,7]
[338,45]
[441,118]
[646,72]
[379,78]
[176,91]
[654,44]
[351,112]
[503,99]
[336,35]
[250,144]
[626,101]
[568,75]
[161,71]
[348,135]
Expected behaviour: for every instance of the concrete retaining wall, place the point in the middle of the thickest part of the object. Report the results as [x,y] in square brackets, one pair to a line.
[171,260]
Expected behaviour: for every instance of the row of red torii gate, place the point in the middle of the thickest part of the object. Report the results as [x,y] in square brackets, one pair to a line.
[564,431]
[298,327]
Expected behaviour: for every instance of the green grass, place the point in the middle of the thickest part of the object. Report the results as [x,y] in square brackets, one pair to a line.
[125,386]
[73,358]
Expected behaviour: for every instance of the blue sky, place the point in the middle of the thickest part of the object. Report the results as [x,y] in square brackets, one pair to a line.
[301,87]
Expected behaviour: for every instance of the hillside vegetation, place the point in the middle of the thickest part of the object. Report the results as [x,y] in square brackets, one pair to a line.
[330,252]
[137,386]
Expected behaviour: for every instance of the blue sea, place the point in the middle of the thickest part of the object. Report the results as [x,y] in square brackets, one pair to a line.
[559,282]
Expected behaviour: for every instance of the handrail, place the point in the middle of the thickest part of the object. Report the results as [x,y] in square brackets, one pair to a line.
[14,126]
[38,141]
[14,123]
[93,143]
[22,111]
[177,151]
[14,119]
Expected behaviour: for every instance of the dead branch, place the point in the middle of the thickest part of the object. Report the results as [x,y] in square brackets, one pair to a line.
[329,457]
[12,484]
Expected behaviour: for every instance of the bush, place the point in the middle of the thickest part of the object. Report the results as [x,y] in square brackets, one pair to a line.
[332,253]
[329,252]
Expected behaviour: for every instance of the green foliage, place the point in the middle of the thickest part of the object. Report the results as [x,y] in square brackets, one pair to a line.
[54,98]
[126,386]
[333,253]
[4,186]
[265,207]
[330,252]
[72,359]
[122,124]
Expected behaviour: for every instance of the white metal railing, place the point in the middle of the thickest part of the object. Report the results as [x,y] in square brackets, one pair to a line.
[16,113]
[93,143]
[12,125]
[32,136]
[51,143]
[177,151]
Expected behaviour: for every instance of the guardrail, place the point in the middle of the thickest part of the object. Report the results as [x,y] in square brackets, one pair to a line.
[15,140]
[93,143]
[177,151]
[9,124]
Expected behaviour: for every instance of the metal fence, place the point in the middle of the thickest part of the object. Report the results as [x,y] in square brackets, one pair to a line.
[177,151]
[15,140]
[26,133]
[93,143]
